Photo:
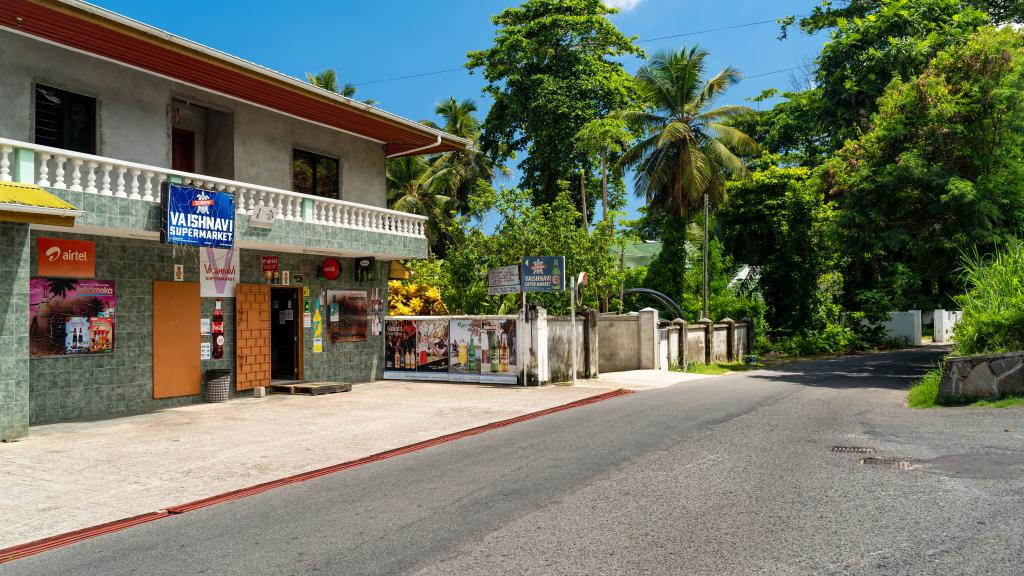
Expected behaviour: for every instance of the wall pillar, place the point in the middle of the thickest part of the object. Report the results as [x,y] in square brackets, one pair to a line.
[590,344]
[684,334]
[532,340]
[24,166]
[730,338]
[709,338]
[650,344]
[15,262]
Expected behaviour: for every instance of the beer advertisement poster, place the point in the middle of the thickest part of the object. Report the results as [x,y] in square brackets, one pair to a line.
[348,320]
[399,348]
[499,338]
[71,316]
[432,349]
[465,350]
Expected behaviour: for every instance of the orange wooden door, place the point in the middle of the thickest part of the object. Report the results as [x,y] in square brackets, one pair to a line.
[176,339]
[252,336]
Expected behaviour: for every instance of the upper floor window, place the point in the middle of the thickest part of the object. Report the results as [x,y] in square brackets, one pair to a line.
[65,120]
[315,174]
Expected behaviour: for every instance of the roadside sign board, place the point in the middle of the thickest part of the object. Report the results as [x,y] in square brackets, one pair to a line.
[197,217]
[503,280]
[543,273]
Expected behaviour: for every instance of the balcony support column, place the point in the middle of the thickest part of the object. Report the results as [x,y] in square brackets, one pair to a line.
[24,166]
[307,210]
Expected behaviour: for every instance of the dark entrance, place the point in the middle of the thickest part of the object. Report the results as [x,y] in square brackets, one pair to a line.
[284,334]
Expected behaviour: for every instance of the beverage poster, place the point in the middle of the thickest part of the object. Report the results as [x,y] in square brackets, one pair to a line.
[432,349]
[466,350]
[348,320]
[399,349]
[69,316]
[499,339]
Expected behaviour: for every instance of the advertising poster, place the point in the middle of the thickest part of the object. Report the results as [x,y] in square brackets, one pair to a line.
[348,315]
[466,351]
[432,349]
[70,316]
[66,258]
[197,217]
[218,272]
[318,328]
[399,349]
[499,339]
[543,274]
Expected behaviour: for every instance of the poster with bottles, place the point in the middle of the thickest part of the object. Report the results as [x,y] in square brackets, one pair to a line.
[70,316]
[399,349]
[466,351]
[432,349]
[499,339]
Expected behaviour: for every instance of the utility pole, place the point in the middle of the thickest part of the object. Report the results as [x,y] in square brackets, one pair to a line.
[704,313]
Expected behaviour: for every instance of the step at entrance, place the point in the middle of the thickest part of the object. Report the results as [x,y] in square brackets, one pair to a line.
[311,388]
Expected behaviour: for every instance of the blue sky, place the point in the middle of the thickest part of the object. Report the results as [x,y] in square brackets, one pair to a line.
[371,41]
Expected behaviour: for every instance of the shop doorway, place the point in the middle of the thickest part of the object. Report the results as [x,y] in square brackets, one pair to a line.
[285,335]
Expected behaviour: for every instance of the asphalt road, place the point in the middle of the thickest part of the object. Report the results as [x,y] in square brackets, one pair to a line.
[732,475]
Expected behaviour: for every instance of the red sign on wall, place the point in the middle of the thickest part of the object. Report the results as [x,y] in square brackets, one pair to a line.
[270,263]
[331,268]
[66,258]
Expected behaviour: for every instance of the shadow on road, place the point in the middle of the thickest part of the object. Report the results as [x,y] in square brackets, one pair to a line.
[888,370]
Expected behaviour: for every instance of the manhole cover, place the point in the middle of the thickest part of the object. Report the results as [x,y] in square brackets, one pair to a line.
[887,462]
[853,449]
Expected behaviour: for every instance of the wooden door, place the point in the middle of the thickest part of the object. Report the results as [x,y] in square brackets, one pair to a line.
[252,336]
[183,150]
[176,313]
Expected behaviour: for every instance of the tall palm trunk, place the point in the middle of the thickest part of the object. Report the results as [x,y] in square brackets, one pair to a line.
[583,199]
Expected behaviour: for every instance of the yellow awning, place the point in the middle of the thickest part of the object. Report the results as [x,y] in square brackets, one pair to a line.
[28,203]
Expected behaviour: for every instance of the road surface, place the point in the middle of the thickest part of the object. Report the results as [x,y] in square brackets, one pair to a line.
[733,475]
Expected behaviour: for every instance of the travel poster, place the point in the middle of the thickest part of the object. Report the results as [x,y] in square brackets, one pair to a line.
[499,339]
[465,350]
[432,349]
[347,320]
[70,316]
[399,348]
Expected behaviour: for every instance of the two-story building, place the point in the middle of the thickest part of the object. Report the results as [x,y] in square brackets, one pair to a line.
[145,182]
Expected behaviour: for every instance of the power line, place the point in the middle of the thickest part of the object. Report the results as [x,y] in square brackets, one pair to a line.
[694,33]
[773,72]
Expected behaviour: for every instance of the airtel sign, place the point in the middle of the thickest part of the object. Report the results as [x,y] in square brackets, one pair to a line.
[66,258]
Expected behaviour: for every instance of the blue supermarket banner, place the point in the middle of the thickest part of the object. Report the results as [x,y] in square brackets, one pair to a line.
[543,273]
[197,217]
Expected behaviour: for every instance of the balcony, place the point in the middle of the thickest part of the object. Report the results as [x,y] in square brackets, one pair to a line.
[120,195]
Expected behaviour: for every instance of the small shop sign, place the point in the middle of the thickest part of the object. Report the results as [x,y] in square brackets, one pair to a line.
[66,258]
[197,217]
[270,263]
[503,280]
[543,273]
[218,273]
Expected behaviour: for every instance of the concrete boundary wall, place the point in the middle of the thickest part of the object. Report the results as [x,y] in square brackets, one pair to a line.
[638,341]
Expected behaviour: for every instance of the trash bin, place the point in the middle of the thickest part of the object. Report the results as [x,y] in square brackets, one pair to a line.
[217,384]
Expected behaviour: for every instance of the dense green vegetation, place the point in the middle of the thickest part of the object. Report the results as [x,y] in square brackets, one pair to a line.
[843,201]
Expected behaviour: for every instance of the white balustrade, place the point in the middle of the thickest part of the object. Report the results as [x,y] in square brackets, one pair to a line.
[138,182]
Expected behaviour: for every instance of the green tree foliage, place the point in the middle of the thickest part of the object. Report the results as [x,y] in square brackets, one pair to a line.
[551,70]
[603,140]
[993,304]
[780,224]
[525,229]
[827,14]
[941,170]
[878,42]
[414,185]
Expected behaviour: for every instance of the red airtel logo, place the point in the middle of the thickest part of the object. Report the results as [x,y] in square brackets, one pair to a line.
[68,258]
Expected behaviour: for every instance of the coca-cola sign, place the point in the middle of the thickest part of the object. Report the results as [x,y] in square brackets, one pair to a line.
[330,269]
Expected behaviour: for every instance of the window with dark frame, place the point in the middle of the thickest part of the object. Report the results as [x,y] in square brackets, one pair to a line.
[65,120]
[315,174]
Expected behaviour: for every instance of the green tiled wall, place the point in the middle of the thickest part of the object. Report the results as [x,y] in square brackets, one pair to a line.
[14,369]
[91,387]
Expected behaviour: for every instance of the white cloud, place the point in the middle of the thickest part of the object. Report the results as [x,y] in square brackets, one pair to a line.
[622,5]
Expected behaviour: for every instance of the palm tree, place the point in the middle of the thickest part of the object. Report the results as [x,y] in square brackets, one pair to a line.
[686,147]
[328,80]
[463,167]
[414,185]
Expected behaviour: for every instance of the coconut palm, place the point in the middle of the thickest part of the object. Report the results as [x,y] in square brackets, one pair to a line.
[328,80]
[414,185]
[464,167]
[686,147]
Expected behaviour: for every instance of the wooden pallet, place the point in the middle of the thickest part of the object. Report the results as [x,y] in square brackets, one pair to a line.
[311,388]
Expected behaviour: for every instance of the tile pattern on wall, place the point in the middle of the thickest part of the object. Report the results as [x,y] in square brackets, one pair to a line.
[14,306]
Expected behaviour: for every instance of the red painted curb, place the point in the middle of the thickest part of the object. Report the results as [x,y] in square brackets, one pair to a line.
[49,543]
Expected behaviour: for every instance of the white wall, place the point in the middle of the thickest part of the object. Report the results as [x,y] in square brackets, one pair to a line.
[904,325]
[134,120]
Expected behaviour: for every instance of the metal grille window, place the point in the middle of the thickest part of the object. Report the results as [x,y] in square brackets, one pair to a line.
[315,174]
[65,120]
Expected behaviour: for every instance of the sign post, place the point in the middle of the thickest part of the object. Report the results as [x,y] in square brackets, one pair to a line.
[572,327]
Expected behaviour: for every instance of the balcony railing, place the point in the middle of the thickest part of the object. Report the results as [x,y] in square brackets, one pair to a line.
[67,170]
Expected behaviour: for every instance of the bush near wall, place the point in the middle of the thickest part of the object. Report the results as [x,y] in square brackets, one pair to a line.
[414,300]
